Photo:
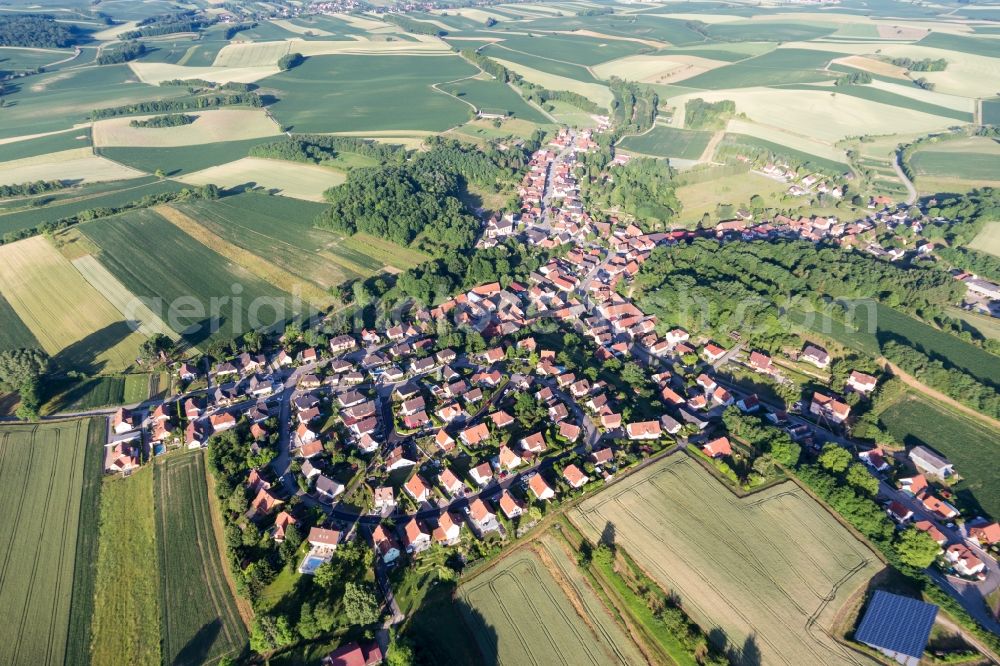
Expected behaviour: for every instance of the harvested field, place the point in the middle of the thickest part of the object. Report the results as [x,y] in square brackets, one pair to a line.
[263,54]
[253,263]
[820,115]
[567,622]
[209,127]
[728,561]
[76,164]
[657,68]
[71,320]
[127,617]
[872,65]
[155,72]
[198,616]
[795,143]
[291,179]
[48,491]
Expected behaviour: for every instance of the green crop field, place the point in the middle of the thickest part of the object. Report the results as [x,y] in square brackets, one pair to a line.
[281,229]
[668,142]
[991,112]
[59,100]
[524,585]
[974,45]
[19,60]
[181,159]
[52,143]
[344,93]
[142,250]
[583,51]
[782,66]
[541,63]
[13,333]
[198,616]
[71,202]
[777,559]
[747,31]
[493,95]
[968,443]
[51,500]
[972,166]
[126,627]
[886,97]
[637,26]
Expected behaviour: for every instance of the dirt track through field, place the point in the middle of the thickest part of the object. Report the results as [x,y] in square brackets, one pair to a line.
[915,383]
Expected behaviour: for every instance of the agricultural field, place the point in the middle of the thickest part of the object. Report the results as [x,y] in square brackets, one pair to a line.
[668,142]
[71,320]
[208,127]
[968,443]
[19,148]
[492,95]
[178,160]
[975,159]
[79,165]
[29,212]
[988,240]
[13,332]
[347,93]
[659,69]
[127,617]
[283,230]
[778,142]
[291,179]
[199,619]
[596,92]
[142,248]
[50,476]
[569,623]
[748,585]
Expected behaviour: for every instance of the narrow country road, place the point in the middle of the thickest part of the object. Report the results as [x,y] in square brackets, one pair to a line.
[911,195]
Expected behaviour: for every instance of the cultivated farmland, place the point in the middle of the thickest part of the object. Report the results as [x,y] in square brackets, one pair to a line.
[668,142]
[968,443]
[49,488]
[141,249]
[75,164]
[199,618]
[71,319]
[536,607]
[208,127]
[127,617]
[773,605]
[361,93]
[988,240]
[292,179]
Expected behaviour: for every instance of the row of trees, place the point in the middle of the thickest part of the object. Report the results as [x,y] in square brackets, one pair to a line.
[169,120]
[923,65]
[318,148]
[149,200]
[982,264]
[853,79]
[31,188]
[209,101]
[951,381]
[124,53]
[186,21]
[702,115]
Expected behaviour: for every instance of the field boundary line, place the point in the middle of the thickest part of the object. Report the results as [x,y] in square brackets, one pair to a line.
[939,397]
[245,611]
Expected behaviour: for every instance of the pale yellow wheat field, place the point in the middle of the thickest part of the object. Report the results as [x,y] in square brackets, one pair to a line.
[209,127]
[292,179]
[76,164]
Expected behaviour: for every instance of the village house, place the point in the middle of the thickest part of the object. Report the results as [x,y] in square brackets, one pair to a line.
[475,435]
[385,545]
[643,430]
[482,474]
[826,407]
[281,523]
[124,421]
[327,489]
[718,448]
[510,507]
[482,518]
[534,443]
[540,489]
[861,382]
[985,535]
[417,489]
[818,357]
[415,537]
[384,498]
[761,363]
[874,458]
[508,460]
[451,483]
[964,560]
[575,477]
[397,460]
[447,532]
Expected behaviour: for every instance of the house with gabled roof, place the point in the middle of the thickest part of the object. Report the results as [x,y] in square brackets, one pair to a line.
[508,459]
[718,448]
[929,462]
[481,517]
[475,435]
[282,522]
[263,503]
[482,474]
[327,489]
[447,532]
[415,537]
[451,483]
[574,476]
[643,430]
[534,443]
[443,441]
[861,382]
[417,489]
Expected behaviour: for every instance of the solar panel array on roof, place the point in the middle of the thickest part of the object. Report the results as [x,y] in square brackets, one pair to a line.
[896,623]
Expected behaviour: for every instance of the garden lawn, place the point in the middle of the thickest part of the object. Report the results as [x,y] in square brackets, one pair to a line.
[46,580]
[750,567]
[346,93]
[143,250]
[972,446]
[198,616]
[126,627]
